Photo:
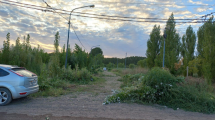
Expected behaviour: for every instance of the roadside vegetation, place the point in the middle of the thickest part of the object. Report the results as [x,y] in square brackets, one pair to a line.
[53,78]
[170,86]
[159,86]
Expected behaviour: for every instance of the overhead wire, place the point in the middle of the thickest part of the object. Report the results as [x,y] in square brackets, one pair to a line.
[96,14]
[129,20]
[71,25]
[146,3]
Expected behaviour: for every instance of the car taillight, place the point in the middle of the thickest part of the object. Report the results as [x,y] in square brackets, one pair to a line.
[17,73]
[23,93]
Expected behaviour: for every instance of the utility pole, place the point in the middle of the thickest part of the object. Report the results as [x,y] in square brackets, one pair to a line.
[125,60]
[69,29]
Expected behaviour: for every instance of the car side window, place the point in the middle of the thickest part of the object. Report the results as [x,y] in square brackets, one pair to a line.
[3,73]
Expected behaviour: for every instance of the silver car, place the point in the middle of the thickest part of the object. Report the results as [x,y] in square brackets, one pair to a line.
[16,82]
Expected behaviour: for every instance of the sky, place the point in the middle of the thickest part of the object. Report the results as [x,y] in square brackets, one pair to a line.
[115,38]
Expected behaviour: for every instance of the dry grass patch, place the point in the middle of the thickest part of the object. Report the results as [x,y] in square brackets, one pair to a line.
[123,72]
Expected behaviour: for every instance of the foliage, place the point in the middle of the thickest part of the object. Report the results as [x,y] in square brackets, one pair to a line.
[129,60]
[206,50]
[131,66]
[131,80]
[153,46]
[142,63]
[172,46]
[188,46]
[194,65]
[121,65]
[52,78]
[160,87]
[122,71]
[96,51]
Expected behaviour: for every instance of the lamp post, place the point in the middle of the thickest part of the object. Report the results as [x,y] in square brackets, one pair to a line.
[69,30]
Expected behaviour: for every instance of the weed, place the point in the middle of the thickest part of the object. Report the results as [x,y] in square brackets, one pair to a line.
[160,87]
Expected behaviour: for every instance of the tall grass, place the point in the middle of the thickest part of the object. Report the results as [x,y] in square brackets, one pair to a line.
[160,87]
[123,71]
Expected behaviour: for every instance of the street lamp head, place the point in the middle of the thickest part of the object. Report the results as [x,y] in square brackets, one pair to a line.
[92,6]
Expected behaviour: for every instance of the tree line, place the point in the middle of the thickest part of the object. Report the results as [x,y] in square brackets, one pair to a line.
[129,60]
[197,55]
[24,55]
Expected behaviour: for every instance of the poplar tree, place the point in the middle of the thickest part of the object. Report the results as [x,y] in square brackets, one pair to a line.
[6,50]
[209,51]
[172,45]
[188,46]
[153,46]
[200,34]
[56,42]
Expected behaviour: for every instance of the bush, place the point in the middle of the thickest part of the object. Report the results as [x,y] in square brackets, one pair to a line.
[132,66]
[188,97]
[130,80]
[160,87]
[82,76]
[160,79]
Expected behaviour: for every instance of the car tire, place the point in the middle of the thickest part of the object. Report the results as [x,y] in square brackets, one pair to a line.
[5,96]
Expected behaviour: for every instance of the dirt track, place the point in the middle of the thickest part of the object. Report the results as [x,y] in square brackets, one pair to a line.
[88,106]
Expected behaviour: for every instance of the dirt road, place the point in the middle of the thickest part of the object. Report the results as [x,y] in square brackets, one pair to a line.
[88,106]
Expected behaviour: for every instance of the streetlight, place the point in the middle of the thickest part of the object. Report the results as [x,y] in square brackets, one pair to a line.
[164,36]
[69,29]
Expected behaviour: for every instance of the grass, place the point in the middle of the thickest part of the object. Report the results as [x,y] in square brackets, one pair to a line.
[66,87]
[158,86]
[123,71]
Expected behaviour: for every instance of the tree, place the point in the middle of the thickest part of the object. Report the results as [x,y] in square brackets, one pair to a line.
[142,63]
[96,51]
[6,50]
[80,57]
[172,46]
[208,48]
[153,46]
[200,34]
[188,46]
[56,42]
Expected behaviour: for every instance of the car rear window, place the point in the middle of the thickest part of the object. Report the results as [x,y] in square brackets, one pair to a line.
[24,72]
[3,73]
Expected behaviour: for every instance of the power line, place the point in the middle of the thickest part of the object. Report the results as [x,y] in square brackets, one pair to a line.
[204,15]
[47,9]
[128,20]
[53,9]
[71,24]
[78,37]
[146,3]
[96,17]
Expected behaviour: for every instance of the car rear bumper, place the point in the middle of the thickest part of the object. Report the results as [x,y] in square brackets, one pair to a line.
[21,91]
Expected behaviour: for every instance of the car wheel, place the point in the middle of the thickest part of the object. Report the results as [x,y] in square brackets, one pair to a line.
[5,96]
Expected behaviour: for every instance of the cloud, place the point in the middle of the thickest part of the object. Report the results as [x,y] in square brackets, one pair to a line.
[115,37]
[4,13]
[198,2]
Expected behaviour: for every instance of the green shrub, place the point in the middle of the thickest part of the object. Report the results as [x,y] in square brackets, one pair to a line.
[130,80]
[82,76]
[132,66]
[160,87]
[161,80]
[188,97]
